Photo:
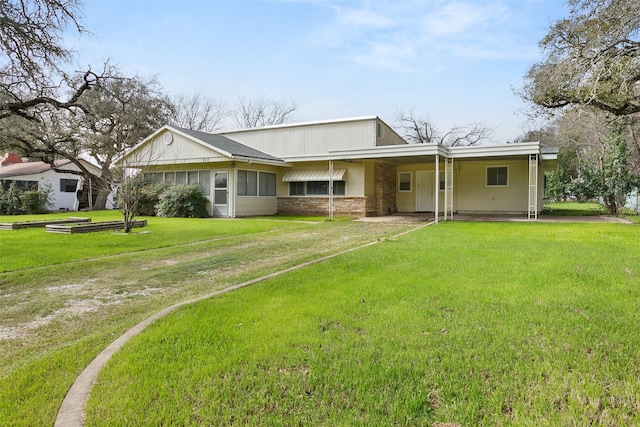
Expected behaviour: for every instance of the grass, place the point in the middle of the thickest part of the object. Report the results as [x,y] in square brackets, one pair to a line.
[56,317]
[53,249]
[574,209]
[463,323]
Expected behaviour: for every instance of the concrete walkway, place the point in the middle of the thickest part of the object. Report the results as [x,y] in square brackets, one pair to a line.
[428,217]
[72,410]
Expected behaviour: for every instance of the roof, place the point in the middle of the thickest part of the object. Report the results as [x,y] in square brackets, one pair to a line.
[228,146]
[304,124]
[34,168]
[29,168]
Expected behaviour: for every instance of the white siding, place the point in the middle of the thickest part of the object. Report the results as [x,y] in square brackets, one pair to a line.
[59,199]
[256,205]
[181,151]
[387,136]
[310,139]
[249,206]
[471,193]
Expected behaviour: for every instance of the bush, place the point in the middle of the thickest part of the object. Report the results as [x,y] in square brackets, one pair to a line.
[14,201]
[35,202]
[149,198]
[10,201]
[182,201]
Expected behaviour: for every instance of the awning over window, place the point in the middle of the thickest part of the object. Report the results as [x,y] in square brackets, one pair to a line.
[302,175]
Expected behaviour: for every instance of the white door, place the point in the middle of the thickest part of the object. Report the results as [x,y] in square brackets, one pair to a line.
[220,193]
[424,191]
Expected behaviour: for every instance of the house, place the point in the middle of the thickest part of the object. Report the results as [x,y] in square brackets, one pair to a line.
[371,169]
[69,191]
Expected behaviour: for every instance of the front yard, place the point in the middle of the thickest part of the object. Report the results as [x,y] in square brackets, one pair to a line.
[462,323]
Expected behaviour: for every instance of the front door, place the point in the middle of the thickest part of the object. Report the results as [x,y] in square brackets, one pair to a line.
[424,191]
[220,194]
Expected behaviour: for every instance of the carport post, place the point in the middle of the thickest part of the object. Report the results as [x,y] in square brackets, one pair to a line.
[330,190]
[437,187]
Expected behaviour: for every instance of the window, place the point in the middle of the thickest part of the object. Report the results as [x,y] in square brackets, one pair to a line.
[296,188]
[68,185]
[20,185]
[339,188]
[497,176]
[204,179]
[441,179]
[254,183]
[404,181]
[181,178]
[170,178]
[267,182]
[316,188]
[247,183]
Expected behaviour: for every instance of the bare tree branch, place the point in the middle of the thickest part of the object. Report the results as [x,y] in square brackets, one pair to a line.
[251,113]
[419,130]
[198,112]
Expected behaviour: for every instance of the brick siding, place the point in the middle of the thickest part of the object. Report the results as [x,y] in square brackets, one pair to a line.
[343,205]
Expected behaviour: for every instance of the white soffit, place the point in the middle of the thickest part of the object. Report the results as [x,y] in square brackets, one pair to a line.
[302,175]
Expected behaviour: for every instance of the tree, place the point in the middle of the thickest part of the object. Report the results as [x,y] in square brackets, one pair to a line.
[418,130]
[111,118]
[120,113]
[606,173]
[592,58]
[251,113]
[198,112]
[32,57]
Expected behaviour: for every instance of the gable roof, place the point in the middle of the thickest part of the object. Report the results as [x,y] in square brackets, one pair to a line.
[227,146]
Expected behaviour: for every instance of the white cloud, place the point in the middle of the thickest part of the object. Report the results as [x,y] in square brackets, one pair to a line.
[362,18]
[403,35]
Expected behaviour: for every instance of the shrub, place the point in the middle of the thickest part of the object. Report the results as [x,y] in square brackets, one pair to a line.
[182,201]
[10,201]
[35,202]
[149,198]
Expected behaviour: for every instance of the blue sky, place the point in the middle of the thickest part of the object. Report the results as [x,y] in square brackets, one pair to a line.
[455,62]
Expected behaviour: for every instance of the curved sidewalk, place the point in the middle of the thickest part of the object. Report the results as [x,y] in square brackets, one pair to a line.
[71,413]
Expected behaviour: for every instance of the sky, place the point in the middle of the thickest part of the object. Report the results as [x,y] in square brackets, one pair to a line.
[453,62]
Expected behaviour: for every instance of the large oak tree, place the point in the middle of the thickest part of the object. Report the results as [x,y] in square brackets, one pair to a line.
[591,58]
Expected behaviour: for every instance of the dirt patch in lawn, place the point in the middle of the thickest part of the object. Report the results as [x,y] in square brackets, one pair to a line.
[57,305]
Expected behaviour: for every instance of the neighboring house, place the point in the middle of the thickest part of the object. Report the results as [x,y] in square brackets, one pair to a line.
[289,169]
[633,201]
[69,191]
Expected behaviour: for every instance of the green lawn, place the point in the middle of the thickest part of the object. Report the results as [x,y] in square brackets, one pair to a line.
[574,209]
[462,323]
[56,317]
[34,247]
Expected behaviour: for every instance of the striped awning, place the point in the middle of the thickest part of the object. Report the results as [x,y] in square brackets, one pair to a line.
[302,175]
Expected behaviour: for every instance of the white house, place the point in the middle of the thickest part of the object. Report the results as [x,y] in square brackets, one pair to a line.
[289,169]
[69,191]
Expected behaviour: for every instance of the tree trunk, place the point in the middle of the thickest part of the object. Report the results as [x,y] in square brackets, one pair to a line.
[101,199]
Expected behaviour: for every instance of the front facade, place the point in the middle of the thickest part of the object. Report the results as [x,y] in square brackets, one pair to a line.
[372,171]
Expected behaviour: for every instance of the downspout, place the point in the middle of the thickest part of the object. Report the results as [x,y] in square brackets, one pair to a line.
[330,190]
